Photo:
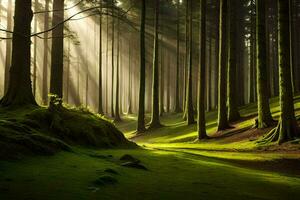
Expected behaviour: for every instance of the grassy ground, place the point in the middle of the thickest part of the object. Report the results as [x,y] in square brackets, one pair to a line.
[170,176]
[224,167]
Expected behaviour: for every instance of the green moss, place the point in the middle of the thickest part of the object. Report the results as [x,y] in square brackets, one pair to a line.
[171,175]
[41,130]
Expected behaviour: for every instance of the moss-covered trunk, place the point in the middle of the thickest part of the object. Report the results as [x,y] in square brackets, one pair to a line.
[264,115]
[19,90]
[287,128]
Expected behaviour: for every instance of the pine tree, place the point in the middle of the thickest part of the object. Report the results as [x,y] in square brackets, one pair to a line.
[287,128]
[19,90]
[201,77]
[222,113]
[155,122]
[264,114]
[141,109]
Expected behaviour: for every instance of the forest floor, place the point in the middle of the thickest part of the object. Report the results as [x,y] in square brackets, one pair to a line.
[172,166]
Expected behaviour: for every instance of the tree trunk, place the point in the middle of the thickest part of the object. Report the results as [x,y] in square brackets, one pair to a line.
[155,122]
[45,59]
[112,61]
[287,128]
[19,86]
[141,113]
[201,76]
[222,113]
[57,52]
[264,115]
[117,100]
[233,113]
[177,101]
[189,90]
[8,55]
[100,95]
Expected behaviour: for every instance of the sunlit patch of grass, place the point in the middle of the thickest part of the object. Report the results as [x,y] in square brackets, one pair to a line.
[176,131]
[171,175]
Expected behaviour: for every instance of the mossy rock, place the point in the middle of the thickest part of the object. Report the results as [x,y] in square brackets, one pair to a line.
[45,131]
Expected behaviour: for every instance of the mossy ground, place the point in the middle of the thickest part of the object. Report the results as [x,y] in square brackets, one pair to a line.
[170,176]
[40,130]
[178,167]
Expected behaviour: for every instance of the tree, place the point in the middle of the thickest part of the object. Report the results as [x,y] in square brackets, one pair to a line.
[155,123]
[141,112]
[117,96]
[45,58]
[222,113]
[177,103]
[8,46]
[233,113]
[189,90]
[201,77]
[19,90]
[287,128]
[112,59]
[264,114]
[36,2]
[57,51]
[129,109]
[100,97]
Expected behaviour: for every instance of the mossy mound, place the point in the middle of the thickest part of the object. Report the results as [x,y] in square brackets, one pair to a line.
[45,131]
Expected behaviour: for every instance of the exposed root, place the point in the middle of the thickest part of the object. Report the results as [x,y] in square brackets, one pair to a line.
[283,132]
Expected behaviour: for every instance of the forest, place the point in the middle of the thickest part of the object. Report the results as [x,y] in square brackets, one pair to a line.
[149,99]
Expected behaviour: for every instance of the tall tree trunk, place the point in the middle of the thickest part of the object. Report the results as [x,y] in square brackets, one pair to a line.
[155,123]
[100,87]
[287,128]
[233,113]
[8,55]
[117,96]
[45,59]
[189,90]
[177,100]
[141,113]
[186,59]
[252,54]
[201,77]
[217,48]
[222,112]
[107,45]
[129,109]
[162,79]
[19,90]
[264,115]
[57,52]
[35,50]
[112,61]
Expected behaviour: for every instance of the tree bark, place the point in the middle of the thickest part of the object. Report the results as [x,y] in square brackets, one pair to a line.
[57,52]
[19,90]
[155,122]
[264,114]
[222,112]
[201,76]
[141,113]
